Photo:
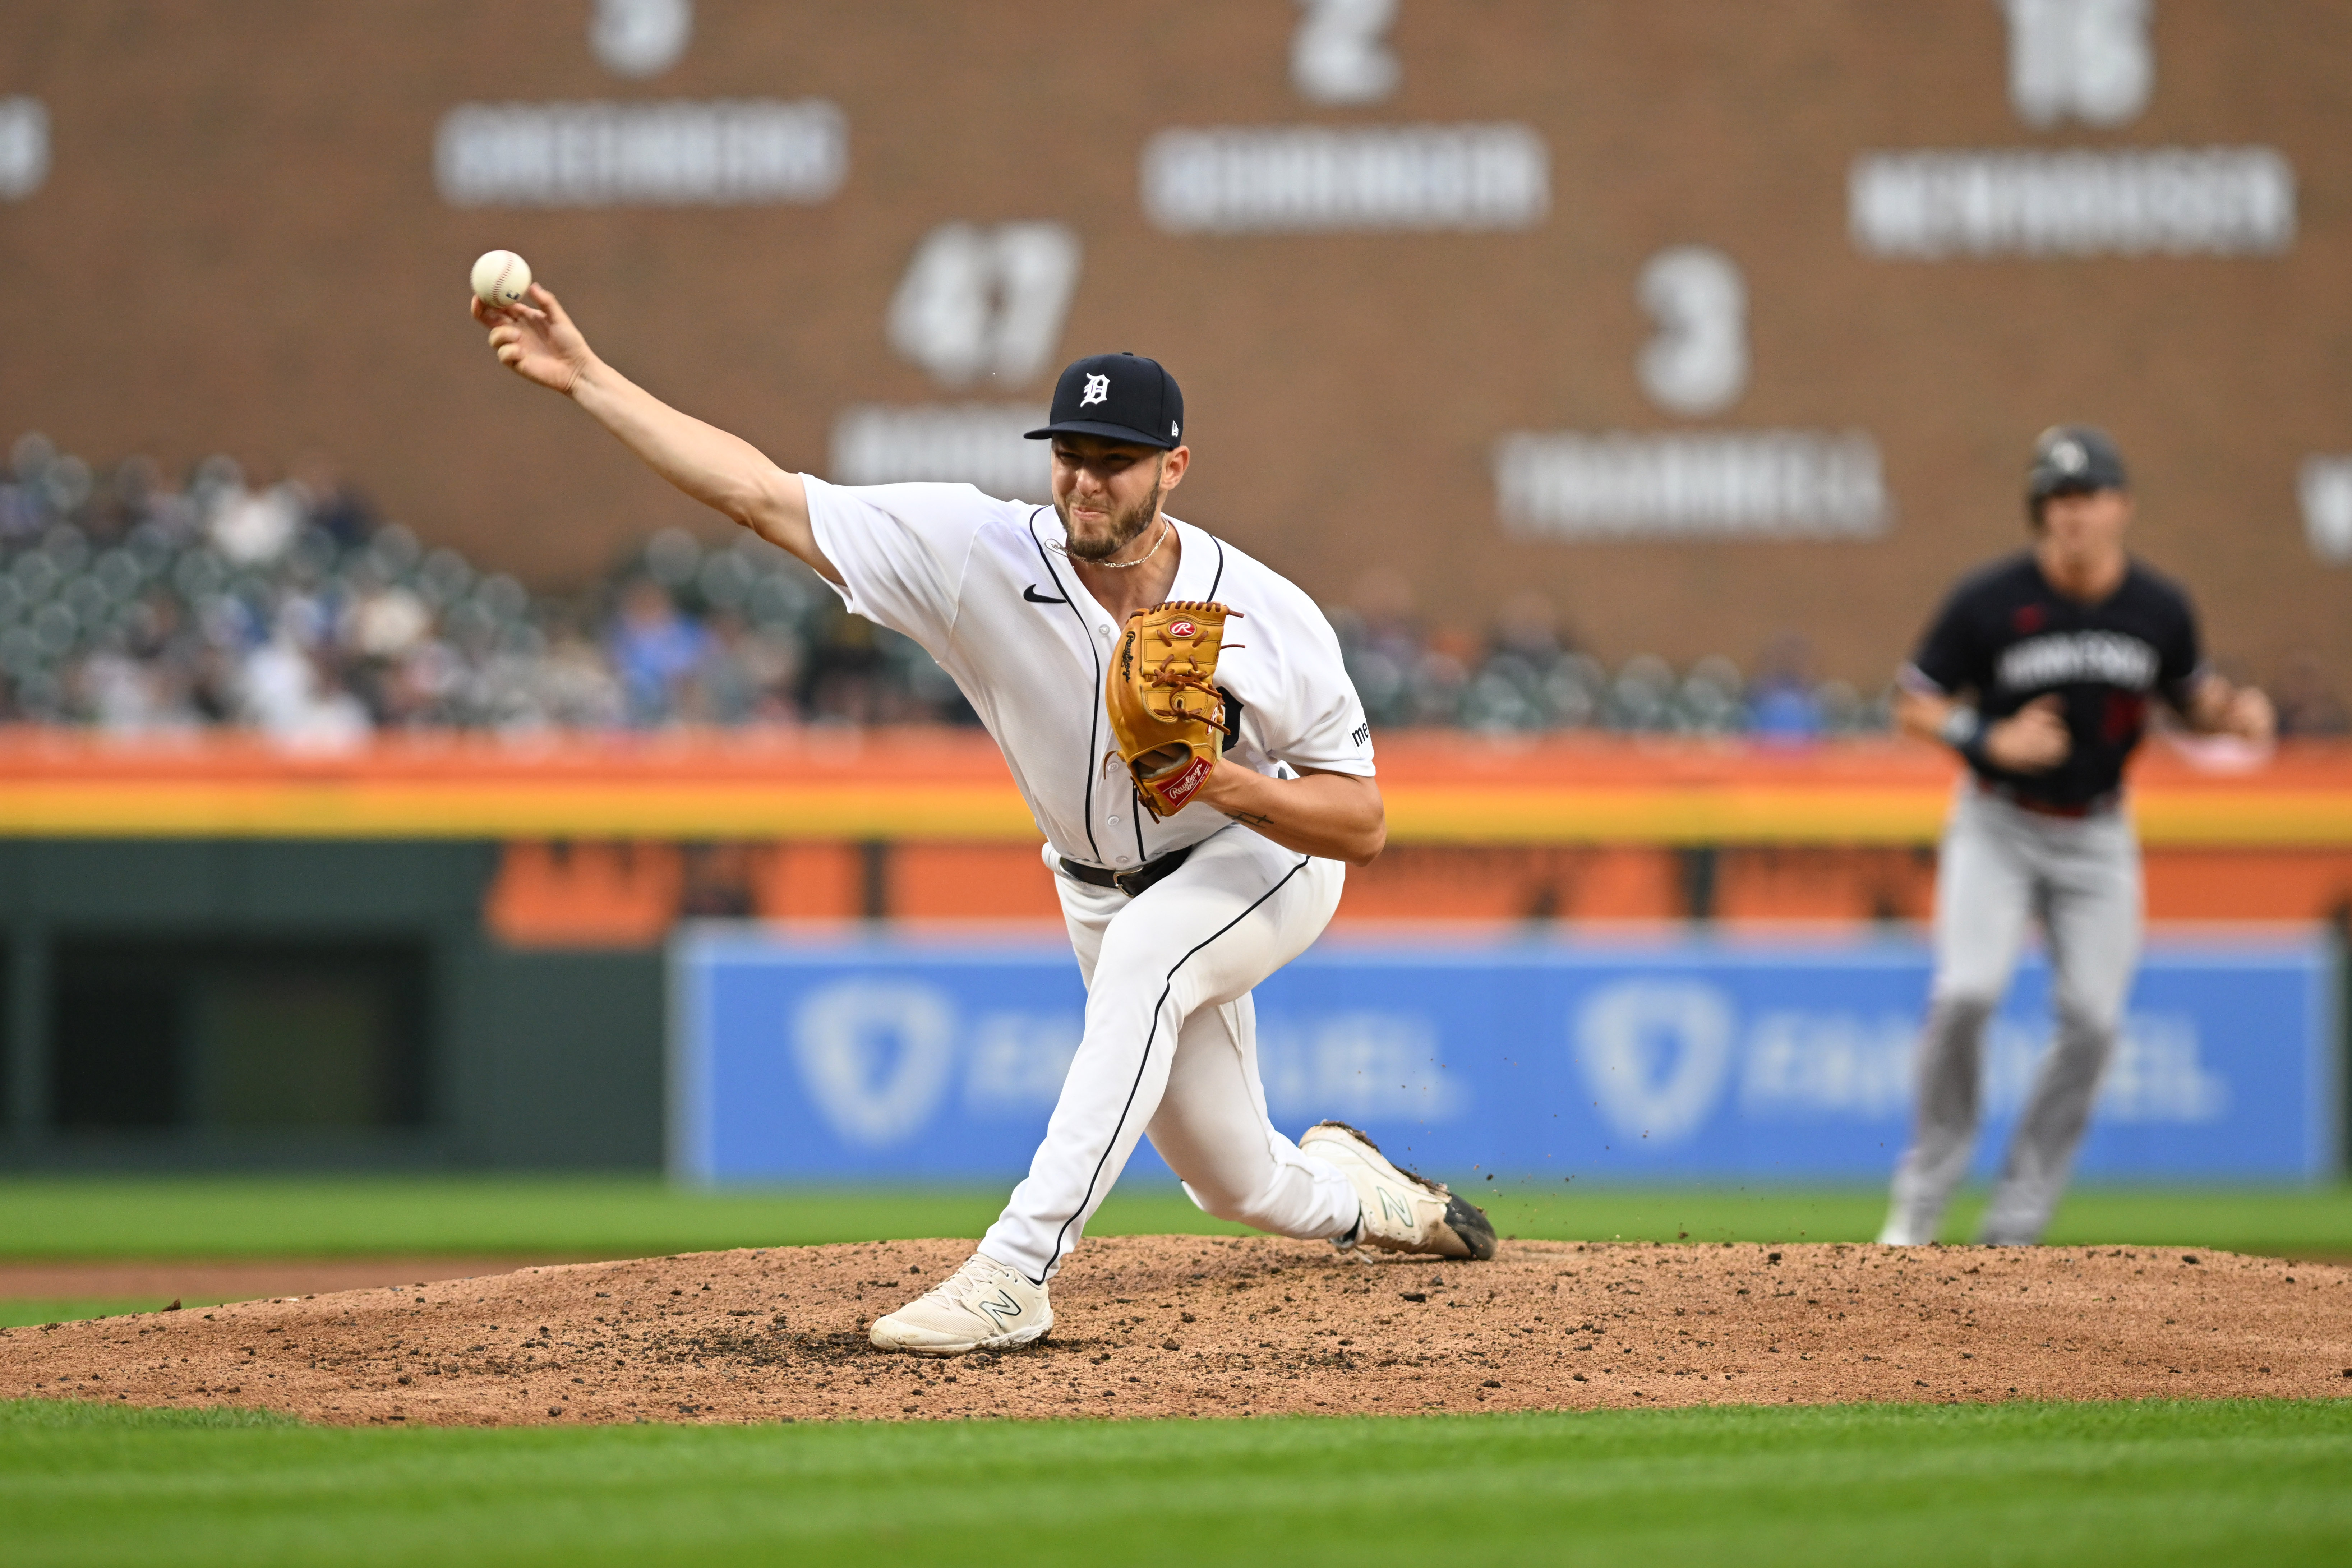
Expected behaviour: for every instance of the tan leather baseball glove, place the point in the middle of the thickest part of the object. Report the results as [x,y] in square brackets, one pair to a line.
[1168,720]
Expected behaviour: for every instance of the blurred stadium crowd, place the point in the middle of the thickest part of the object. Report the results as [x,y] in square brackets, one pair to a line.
[134,604]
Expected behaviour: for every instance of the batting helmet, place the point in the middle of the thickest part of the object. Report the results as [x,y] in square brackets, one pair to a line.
[2072,459]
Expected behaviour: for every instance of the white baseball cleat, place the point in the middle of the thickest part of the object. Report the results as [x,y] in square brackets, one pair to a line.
[982,1305]
[1398,1211]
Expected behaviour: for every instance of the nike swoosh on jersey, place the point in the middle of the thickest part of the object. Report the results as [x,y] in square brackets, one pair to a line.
[1034,597]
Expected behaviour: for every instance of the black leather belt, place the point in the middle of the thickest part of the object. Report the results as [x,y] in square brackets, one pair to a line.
[1128,882]
[2099,805]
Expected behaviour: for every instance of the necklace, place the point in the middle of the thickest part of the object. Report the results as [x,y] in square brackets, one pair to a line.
[1120,566]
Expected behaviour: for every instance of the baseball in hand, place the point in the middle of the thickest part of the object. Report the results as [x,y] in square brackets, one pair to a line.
[502,277]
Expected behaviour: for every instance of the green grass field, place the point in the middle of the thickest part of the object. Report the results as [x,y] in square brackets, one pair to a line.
[195,1217]
[2156,1483]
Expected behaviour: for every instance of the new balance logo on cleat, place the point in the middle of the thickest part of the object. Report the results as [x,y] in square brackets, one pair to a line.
[982,1305]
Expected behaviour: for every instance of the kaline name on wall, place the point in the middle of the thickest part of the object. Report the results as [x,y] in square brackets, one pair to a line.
[980,444]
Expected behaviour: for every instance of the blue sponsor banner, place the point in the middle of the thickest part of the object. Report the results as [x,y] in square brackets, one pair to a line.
[802,1056]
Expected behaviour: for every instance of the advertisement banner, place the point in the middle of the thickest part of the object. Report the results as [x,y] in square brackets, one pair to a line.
[811,1056]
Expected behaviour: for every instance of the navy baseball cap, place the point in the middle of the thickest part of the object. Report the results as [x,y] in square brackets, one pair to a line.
[1119,397]
[2073,459]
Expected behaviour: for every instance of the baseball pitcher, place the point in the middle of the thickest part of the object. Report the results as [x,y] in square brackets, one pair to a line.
[2038,670]
[1177,717]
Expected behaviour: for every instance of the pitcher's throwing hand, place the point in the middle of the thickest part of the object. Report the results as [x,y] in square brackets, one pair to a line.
[535,339]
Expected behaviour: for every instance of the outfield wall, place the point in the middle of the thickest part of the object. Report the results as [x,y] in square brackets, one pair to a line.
[448,952]
[236,1004]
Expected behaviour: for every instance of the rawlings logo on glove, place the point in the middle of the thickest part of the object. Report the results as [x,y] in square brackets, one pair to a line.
[1168,720]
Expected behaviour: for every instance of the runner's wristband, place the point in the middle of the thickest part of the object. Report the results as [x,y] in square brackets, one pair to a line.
[1963,730]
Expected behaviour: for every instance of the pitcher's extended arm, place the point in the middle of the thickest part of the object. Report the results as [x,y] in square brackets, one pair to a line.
[538,342]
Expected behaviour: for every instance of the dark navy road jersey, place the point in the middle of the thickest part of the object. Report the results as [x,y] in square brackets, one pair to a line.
[2007,636]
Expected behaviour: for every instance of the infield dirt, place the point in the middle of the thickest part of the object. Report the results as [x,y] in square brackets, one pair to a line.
[1202,1326]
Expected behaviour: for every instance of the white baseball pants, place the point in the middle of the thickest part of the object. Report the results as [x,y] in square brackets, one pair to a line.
[1171,1048]
[2000,867]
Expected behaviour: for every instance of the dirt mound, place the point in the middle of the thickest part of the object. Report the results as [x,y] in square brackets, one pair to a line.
[1201,1326]
[211,1280]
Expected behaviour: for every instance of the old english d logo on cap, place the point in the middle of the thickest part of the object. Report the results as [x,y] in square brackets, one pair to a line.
[1119,397]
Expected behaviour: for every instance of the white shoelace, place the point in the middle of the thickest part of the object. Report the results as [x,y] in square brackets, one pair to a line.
[970,1282]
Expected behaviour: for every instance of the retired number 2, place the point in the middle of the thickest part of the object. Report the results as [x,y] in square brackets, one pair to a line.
[1337,55]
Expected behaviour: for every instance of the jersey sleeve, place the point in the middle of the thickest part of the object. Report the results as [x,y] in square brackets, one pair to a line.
[2181,658]
[1952,656]
[1309,715]
[901,550]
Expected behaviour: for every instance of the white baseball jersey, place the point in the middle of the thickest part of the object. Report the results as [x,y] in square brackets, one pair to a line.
[981,584]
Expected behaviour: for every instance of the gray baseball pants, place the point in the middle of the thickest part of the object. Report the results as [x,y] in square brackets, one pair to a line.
[2001,866]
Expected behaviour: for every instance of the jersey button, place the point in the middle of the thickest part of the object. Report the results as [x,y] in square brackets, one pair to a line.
[1119,860]
[1114,819]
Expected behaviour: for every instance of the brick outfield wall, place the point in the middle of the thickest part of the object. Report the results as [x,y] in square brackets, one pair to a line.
[248,190]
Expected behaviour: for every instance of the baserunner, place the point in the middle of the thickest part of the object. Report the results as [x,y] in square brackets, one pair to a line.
[1187,873]
[2038,670]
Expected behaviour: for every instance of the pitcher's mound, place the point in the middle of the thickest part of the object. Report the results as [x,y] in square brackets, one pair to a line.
[1201,1326]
